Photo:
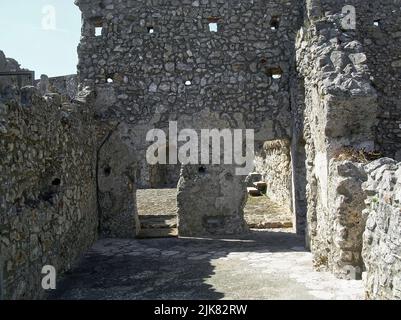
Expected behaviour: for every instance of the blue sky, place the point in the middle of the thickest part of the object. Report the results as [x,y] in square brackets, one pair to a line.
[42,35]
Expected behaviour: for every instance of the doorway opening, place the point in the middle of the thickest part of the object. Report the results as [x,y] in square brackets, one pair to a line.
[269,204]
[156,199]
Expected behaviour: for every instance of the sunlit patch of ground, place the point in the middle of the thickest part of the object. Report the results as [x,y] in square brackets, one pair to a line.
[260,265]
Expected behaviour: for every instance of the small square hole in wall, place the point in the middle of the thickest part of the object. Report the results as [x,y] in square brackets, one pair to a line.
[98,24]
[275,23]
[56,182]
[98,31]
[188,83]
[109,80]
[213,27]
[151,30]
[376,23]
[276,73]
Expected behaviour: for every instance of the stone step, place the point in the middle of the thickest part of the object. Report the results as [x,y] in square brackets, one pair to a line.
[158,221]
[261,186]
[271,225]
[253,192]
[158,233]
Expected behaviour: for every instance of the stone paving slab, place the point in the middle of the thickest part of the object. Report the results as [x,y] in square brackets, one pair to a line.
[260,265]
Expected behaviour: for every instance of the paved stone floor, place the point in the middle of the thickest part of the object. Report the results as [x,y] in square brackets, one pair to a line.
[260,265]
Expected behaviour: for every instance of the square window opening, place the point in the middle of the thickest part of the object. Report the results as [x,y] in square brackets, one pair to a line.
[275,73]
[98,24]
[275,23]
[213,27]
[98,31]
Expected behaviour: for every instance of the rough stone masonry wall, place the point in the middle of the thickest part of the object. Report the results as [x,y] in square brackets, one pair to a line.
[6,82]
[382,46]
[66,86]
[224,216]
[342,225]
[382,238]
[340,110]
[274,163]
[157,61]
[48,205]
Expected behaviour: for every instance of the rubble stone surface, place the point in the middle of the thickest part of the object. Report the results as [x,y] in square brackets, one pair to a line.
[381,240]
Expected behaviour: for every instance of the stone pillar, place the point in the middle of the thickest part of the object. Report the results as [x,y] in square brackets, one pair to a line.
[211,201]
[340,114]
[117,190]
[43,85]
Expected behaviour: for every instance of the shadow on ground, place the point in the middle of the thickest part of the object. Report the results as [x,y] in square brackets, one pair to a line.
[255,266]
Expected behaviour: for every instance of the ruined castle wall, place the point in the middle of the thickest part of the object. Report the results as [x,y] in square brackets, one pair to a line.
[340,110]
[158,61]
[378,29]
[274,163]
[7,82]
[66,86]
[382,238]
[48,205]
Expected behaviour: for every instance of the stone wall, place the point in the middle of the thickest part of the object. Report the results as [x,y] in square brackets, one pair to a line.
[48,205]
[274,163]
[382,238]
[152,62]
[340,111]
[378,29]
[222,213]
[340,233]
[8,82]
[298,154]
[66,86]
